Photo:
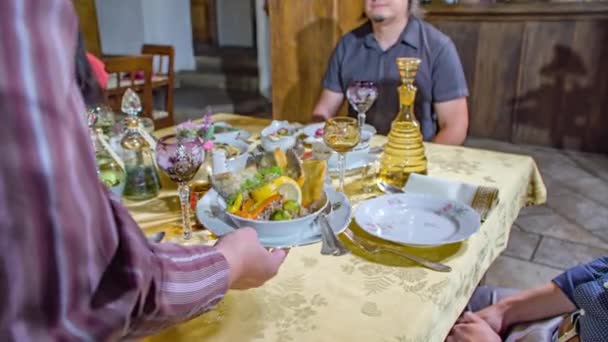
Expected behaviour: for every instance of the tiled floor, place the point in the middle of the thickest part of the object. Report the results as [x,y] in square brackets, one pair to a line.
[571,228]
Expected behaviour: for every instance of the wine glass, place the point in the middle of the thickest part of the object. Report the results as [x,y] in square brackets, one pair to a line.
[180,159]
[341,134]
[362,95]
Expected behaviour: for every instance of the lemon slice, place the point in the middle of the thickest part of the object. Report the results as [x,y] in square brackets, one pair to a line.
[260,194]
[289,189]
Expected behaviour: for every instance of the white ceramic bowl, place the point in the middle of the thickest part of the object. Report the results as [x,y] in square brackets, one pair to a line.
[272,143]
[239,162]
[279,229]
[229,135]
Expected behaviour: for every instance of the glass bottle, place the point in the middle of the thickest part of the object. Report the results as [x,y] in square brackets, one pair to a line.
[142,181]
[110,168]
[404,152]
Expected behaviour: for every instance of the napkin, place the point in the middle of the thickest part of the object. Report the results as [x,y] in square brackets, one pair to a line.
[481,198]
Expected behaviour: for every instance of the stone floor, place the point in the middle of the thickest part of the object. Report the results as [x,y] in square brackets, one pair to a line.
[571,228]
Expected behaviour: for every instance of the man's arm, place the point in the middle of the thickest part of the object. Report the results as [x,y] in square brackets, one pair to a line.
[79,267]
[453,117]
[528,305]
[449,96]
[332,95]
[545,301]
[328,105]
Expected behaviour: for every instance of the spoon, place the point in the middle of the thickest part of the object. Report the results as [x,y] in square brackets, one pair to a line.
[158,237]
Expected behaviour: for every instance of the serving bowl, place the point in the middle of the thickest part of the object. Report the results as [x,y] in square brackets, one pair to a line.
[279,229]
[232,163]
[271,143]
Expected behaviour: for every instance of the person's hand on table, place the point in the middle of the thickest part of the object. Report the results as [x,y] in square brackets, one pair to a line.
[251,265]
[471,328]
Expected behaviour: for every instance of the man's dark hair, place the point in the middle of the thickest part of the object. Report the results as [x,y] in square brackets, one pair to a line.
[87,83]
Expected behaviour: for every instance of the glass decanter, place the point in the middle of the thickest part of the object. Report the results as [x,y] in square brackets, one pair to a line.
[404,152]
[142,181]
[110,168]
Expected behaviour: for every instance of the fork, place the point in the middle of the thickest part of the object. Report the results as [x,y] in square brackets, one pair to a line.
[375,249]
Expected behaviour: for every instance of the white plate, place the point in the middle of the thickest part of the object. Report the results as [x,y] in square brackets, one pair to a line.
[417,219]
[213,218]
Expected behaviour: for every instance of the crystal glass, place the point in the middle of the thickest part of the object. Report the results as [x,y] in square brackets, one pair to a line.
[180,159]
[362,95]
[105,119]
[341,134]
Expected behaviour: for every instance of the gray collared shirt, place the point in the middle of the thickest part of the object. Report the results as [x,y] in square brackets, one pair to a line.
[358,57]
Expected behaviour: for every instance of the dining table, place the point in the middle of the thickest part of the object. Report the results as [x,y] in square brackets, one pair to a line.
[364,296]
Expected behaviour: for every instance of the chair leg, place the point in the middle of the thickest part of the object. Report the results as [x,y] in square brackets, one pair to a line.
[169,100]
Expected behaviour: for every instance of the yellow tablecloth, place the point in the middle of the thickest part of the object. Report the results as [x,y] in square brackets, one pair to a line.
[361,298]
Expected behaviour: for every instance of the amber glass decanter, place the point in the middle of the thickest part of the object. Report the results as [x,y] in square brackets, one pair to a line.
[404,151]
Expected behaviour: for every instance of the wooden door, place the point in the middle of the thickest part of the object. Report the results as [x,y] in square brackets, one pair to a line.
[204,25]
[87,18]
[303,36]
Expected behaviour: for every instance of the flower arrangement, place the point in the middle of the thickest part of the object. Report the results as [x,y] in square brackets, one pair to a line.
[189,130]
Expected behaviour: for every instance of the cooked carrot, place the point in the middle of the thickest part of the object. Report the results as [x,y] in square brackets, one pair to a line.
[257,210]
[248,205]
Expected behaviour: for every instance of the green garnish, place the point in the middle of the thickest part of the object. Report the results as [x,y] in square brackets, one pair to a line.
[280,215]
[292,207]
[260,178]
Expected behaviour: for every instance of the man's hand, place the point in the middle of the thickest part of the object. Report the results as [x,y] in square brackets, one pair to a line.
[495,317]
[250,264]
[471,328]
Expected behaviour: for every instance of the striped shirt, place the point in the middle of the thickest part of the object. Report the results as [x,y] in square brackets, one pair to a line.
[75,266]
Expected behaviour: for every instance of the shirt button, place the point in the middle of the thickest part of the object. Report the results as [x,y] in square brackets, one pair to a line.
[606,285]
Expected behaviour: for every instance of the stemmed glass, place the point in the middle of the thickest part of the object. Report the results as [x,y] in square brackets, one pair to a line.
[362,95]
[341,134]
[180,159]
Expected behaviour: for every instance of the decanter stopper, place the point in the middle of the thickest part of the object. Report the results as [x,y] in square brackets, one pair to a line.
[131,103]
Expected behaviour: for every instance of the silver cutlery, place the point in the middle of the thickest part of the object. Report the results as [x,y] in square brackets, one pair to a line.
[330,245]
[389,188]
[371,248]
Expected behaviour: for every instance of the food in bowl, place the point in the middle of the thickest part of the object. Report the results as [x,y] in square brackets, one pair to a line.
[279,133]
[278,188]
[229,150]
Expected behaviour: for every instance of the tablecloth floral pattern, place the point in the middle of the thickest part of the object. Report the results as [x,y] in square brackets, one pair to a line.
[362,297]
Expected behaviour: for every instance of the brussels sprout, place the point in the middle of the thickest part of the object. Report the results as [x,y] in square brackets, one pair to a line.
[280,215]
[292,207]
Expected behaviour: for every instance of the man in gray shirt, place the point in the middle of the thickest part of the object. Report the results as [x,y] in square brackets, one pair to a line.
[369,54]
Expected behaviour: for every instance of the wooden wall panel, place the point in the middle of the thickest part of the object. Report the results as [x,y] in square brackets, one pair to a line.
[541,92]
[589,116]
[304,33]
[87,18]
[537,73]
[496,73]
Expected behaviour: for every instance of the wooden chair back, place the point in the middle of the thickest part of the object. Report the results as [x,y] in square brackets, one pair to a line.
[123,74]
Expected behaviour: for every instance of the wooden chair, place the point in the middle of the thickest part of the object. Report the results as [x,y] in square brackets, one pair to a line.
[163,77]
[123,72]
